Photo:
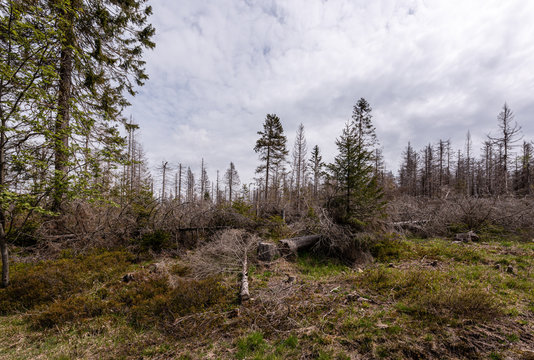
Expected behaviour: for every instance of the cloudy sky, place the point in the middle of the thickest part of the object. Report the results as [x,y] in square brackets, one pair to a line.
[430,69]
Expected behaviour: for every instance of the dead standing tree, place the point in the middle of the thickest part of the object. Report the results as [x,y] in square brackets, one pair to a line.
[509,135]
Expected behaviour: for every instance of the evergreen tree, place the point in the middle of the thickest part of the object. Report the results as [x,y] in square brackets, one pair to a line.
[232,180]
[299,162]
[365,131]
[100,44]
[271,147]
[26,45]
[316,166]
[359,196]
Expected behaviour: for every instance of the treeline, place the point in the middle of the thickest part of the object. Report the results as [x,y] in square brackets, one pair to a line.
[290,182]
[504,166]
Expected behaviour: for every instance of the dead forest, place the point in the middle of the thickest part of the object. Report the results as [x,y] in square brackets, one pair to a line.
[105,256]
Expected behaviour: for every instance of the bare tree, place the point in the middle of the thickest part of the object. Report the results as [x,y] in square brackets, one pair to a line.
[510,133]
[190,184]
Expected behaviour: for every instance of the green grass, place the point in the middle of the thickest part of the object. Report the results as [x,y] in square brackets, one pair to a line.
[317,266]
[77,307]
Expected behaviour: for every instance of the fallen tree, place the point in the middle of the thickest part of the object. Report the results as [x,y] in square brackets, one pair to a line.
[290,247]
[244,294]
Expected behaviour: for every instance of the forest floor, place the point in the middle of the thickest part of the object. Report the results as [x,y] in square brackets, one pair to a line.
[419,299]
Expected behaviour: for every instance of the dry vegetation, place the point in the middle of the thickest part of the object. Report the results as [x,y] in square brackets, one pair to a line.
[419,298]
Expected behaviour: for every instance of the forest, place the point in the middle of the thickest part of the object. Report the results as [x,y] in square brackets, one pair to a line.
[102,258]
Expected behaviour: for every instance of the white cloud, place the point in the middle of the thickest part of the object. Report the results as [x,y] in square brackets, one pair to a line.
[430,69]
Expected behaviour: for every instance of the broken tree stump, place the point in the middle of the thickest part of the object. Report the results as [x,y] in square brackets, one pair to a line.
[290,247]
[267,251]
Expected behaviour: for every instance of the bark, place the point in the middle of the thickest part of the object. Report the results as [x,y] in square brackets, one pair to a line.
[293,246]
[5,257]
[244,294]
[63,114]
[3,244]
[267,251]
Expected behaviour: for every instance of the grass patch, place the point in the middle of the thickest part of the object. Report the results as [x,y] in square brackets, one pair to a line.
[252,346]
[432,293]
[317,266]
[55,280]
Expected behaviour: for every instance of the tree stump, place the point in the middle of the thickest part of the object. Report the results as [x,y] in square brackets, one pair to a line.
[267,251]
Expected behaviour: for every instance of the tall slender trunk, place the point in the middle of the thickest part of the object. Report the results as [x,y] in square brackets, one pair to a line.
[267,172]
[61,140]
[3,240]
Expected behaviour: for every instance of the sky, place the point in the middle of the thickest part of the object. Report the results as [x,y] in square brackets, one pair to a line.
[429,69]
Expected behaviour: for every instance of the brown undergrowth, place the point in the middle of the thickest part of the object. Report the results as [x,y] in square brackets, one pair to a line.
[420,299]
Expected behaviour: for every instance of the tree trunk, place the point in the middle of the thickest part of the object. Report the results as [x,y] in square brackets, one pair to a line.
[5,256]
[3,240]
[267,172]
[267,251]
[290,247]
[63,114]
[244,294]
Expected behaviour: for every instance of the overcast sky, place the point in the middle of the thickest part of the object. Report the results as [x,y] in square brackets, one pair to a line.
[429,69]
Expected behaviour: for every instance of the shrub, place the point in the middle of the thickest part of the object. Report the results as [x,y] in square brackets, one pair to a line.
[36,284]
[69,310]
[192,296]
[26,235]
[388,248]
[155,240]
[153,301]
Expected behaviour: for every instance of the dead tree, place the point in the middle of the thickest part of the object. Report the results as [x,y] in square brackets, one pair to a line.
[290,247]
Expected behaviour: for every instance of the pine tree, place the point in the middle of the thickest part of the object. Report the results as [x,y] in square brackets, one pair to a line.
[100,44]
[232,180]
[352,173]
[271,147]
[316,166]
[26,45]
[299,162]
[365,131]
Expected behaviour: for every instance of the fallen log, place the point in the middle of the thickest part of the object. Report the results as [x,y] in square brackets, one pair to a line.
[244,294]
[290,247]
[413,226]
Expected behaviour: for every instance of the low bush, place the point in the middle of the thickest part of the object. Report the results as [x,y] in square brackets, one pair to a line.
[36,284]
[69,310]
[155,241]
[153,301]
[389,248]
[440,295]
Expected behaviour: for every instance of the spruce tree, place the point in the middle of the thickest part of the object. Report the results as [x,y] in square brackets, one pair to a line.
[232,180]
[316,166]
[26,45]
[352,172]
[100,46]
[271,147]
